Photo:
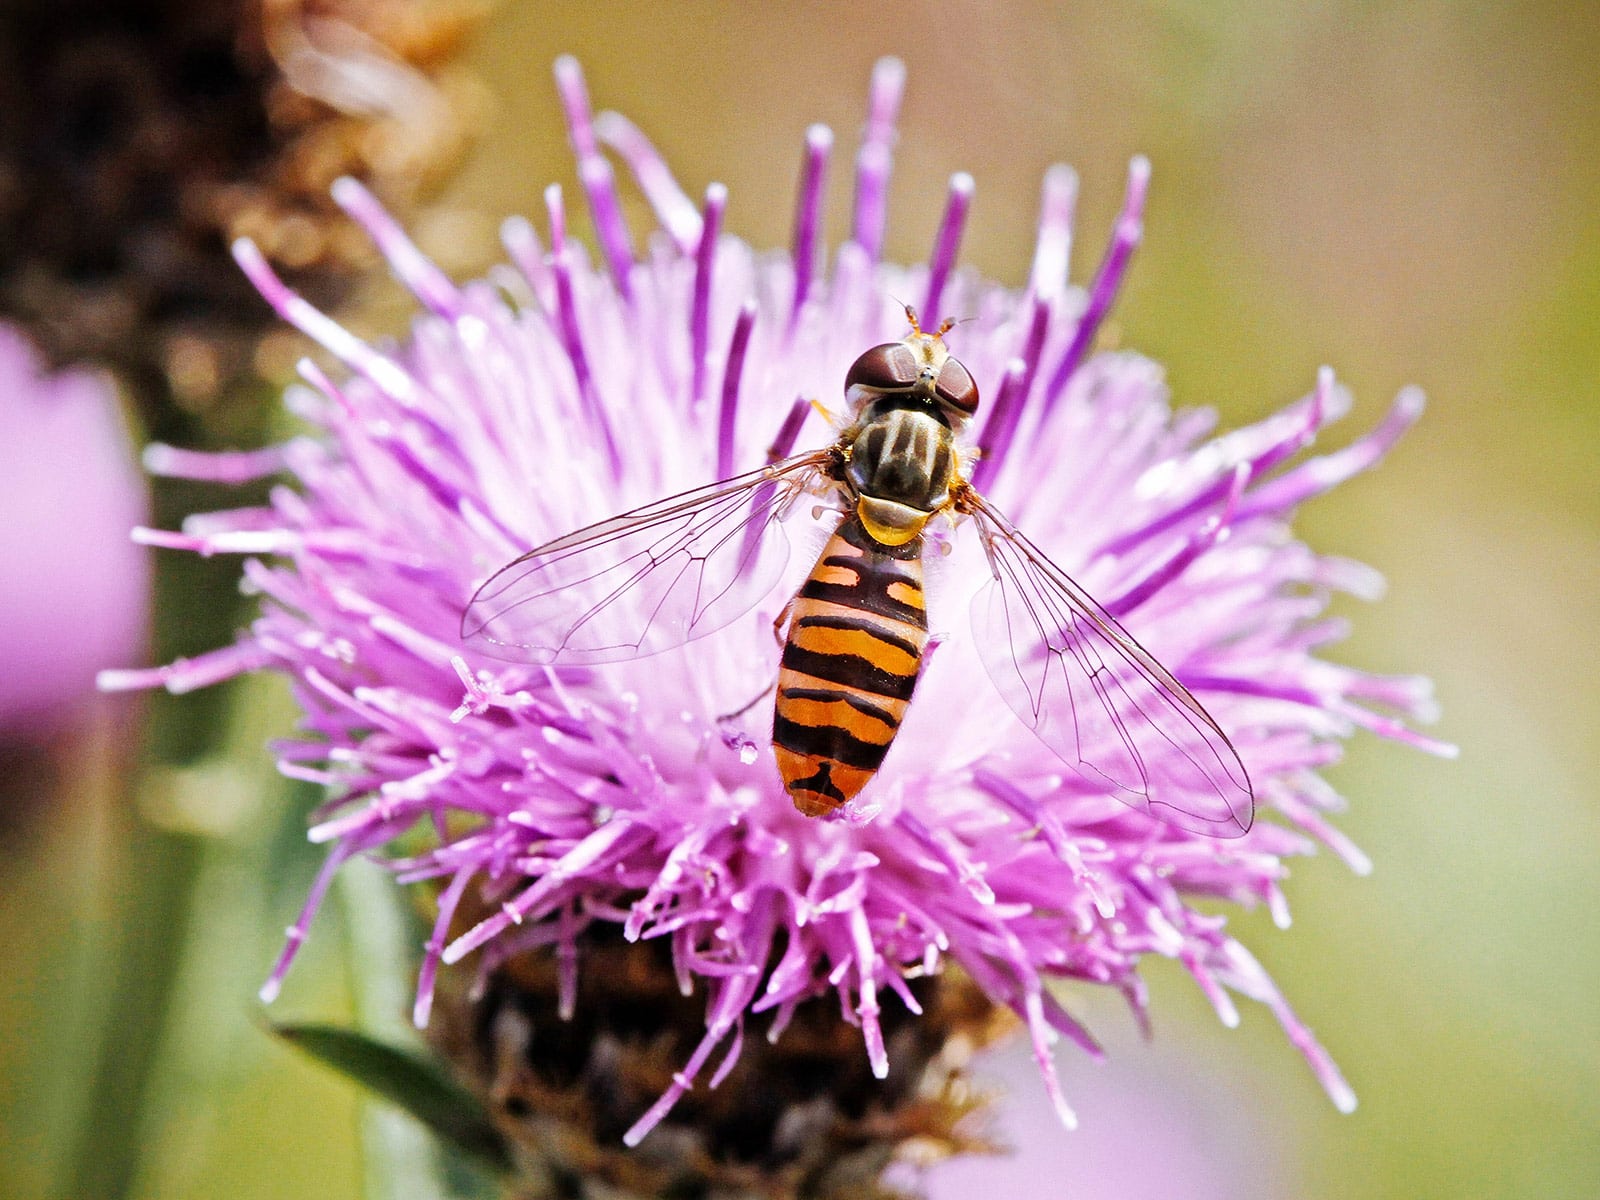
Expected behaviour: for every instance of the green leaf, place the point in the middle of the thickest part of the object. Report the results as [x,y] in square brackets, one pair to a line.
[416,1083]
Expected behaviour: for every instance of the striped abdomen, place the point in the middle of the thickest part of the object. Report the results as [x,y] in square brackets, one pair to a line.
[856,635]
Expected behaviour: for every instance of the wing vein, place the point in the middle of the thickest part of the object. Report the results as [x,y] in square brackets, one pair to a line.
[646,580]
[1095,696]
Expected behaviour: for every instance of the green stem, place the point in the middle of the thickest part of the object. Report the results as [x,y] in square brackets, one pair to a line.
[151,872]
[400,1159]
[153,878]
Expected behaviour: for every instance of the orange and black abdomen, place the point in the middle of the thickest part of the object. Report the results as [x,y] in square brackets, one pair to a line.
[857,630]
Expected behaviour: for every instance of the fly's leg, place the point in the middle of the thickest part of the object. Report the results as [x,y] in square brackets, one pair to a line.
[725,720]
[780,623]
[780,635]
[732,736]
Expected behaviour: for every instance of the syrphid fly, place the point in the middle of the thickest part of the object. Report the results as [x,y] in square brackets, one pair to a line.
[856,632]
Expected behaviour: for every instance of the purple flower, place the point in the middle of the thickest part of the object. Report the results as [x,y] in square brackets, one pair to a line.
[559,393]
[72,590]
[1162,1127]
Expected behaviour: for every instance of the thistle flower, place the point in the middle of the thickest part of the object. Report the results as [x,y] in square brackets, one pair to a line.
[1161,1127]
[606,821]
[71,587]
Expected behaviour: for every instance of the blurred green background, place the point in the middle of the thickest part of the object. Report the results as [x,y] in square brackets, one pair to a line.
[1407,192]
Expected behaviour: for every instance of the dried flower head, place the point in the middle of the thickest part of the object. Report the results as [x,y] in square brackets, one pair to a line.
[137,140]
[561,808]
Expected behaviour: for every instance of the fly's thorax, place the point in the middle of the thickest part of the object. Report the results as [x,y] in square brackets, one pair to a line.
[902,461]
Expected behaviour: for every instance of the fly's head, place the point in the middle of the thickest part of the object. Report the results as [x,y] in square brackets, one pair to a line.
[917,370]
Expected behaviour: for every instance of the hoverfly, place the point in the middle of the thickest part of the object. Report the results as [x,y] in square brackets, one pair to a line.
[676,570]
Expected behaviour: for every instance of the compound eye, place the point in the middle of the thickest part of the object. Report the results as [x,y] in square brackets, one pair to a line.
[890,367]
[956,388]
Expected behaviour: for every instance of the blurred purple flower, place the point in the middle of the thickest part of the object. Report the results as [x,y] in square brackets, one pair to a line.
[1161,1126]
[72,589]
[539,400]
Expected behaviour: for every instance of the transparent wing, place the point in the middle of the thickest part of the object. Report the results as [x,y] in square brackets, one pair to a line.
[1098,698]
[646,580]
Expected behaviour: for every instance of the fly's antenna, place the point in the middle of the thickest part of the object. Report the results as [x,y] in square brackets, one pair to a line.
[945,326]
